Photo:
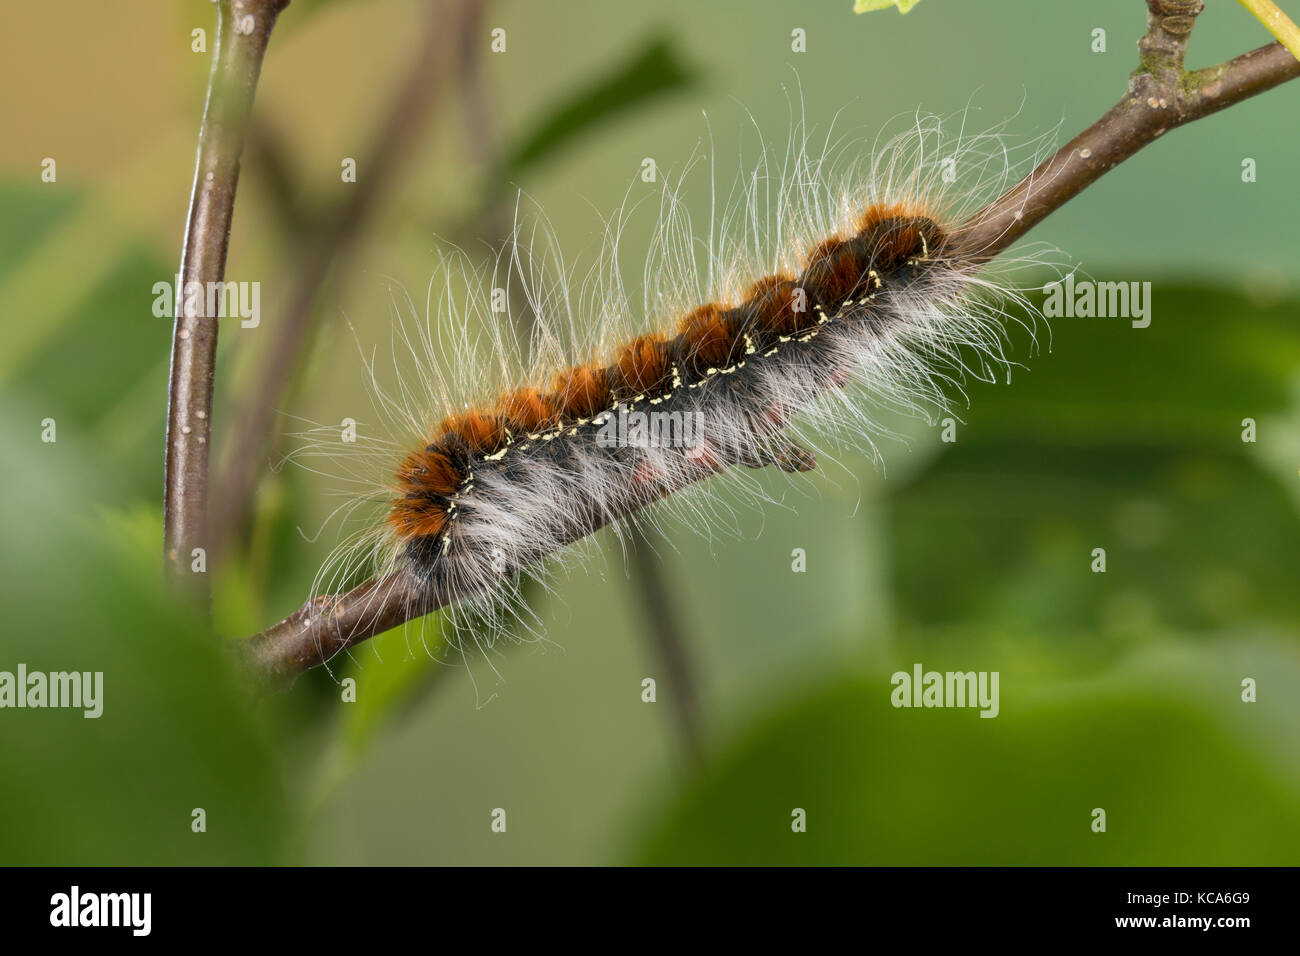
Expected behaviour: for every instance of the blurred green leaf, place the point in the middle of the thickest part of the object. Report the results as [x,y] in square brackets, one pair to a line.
[1123,439]
[177,731]
[1004,532]
[868,6]
[634,81]
[1186,772]
[1210,358]
[115,334]
[27,214]
[48,229]
[102,371]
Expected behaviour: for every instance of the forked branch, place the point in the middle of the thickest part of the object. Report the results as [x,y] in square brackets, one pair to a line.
[1161,96]
[243,31]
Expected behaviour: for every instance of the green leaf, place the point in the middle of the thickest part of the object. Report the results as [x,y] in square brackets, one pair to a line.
[1186,773]
[1004,532]
[1209,358]
[177,731]
[633,82]
[869,6]
[1123,439]
[27,215]
[115,333]
[393,673]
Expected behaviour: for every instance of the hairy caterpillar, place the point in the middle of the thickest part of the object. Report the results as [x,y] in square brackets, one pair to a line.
[830,285]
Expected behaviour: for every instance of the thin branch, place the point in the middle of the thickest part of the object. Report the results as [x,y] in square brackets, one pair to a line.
[663,626]
[326,625]
[243,31]
[255,420]
[1276,22]
[329,624]
[1162,95]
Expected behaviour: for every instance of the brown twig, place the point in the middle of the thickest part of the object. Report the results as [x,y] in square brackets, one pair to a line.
[243,31]
[329,624]
[324,626]
[406,119]
[1162,95]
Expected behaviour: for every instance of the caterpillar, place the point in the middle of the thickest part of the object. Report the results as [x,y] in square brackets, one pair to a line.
[833,283]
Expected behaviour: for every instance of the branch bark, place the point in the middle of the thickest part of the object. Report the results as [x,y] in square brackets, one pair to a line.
[243,31]
[1162,95]
[401,129]
[326,625]
[1276,22]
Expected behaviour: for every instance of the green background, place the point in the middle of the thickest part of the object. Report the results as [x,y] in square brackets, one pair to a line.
[1118,690]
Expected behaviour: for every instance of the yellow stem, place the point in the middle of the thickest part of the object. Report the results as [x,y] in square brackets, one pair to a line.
[1277,23]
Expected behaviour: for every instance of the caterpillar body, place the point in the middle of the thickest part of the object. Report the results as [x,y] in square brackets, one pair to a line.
[821,297]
